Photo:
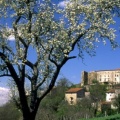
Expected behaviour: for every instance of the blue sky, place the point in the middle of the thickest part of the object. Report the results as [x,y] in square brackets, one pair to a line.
[106,58]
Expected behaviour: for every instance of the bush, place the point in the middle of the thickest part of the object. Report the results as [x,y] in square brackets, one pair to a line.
[112,117]
[9,112]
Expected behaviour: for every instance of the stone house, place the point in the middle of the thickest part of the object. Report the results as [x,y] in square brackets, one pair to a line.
[74,94]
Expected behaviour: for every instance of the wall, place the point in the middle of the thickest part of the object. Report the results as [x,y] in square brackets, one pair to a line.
[110,96]
[68,98]
[103,76]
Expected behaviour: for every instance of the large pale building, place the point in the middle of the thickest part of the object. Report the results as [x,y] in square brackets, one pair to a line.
[102,76]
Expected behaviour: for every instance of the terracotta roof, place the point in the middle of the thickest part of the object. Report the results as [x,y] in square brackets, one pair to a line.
[112,98]
[73,90]
[118,87]
[111,91]
[117,69]
[105,102]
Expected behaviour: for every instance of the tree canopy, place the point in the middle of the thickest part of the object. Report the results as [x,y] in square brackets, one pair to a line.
[49,33]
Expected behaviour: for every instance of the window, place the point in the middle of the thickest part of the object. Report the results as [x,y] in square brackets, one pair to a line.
[71,100]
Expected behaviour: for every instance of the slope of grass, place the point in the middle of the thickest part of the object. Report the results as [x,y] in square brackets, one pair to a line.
[112,117]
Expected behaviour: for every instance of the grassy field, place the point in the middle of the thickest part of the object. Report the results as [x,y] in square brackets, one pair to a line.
[112,117]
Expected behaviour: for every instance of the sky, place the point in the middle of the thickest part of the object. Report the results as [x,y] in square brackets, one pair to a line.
[4,95]
[105,58]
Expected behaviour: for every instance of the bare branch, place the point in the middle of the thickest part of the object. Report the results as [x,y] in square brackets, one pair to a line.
[7,48]
[27,76]
[10,67]
[23,42]
[30,64]
[49,57]
[38,85]
[5,75]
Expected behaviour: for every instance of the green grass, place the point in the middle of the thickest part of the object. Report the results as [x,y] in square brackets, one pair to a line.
[112,117]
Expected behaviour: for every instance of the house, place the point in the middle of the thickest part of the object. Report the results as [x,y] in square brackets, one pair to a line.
[74,94]
[110,95]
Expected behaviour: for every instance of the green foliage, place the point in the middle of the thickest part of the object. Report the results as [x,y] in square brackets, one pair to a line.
[9,112]
[64,82]
[65,110]
[95,81]
[56,95]
[112,117]
[97,94]
[117,103]
[106,109]
[98,91]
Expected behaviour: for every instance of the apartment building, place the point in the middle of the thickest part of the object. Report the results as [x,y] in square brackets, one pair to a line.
[102,76]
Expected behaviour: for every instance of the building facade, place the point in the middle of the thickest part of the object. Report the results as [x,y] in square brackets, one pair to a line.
[102,76]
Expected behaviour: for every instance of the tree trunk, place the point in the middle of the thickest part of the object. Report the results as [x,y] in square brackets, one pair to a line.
[27,113]
[30,116]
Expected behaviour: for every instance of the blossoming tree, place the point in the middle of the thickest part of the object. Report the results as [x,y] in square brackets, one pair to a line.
[49,33]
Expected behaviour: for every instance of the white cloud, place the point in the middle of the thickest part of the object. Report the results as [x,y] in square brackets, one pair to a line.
[8,34]
[4,95]
[11,38]
[63,4]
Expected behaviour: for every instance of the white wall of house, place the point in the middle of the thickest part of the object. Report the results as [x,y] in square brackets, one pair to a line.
[110,96]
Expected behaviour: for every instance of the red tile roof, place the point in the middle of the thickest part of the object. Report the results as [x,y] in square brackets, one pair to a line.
[105,102]
[118,69]
[73,90]
[118,87]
